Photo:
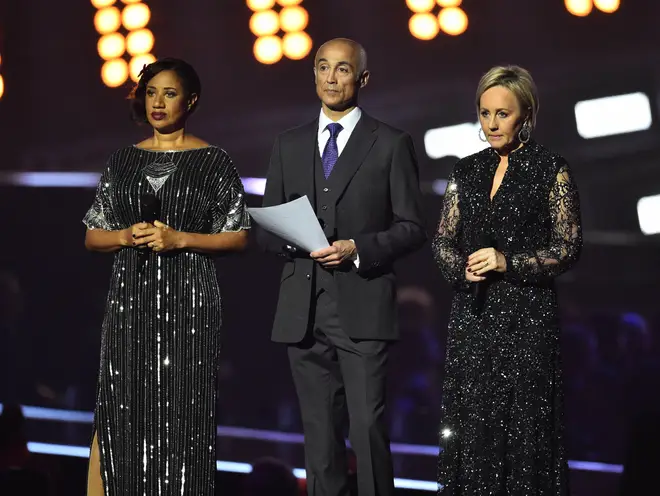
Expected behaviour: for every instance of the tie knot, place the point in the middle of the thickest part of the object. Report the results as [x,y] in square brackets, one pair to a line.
[334,128]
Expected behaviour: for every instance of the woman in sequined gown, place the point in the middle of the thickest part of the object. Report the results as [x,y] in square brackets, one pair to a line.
[155,427]
[510,225]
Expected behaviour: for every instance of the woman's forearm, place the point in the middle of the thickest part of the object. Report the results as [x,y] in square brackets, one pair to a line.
[107,241]
[213,243]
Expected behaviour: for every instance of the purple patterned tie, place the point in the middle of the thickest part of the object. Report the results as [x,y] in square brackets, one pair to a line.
[331,152]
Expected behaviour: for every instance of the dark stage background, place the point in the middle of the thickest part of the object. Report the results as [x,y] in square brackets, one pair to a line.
[56,115]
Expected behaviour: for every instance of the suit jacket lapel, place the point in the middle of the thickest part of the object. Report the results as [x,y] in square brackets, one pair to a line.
[353,155]
[304,161]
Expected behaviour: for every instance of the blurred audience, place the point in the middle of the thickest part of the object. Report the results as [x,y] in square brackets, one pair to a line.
[13,354]
[417,360]
[270,477]
[586,396]
[640,370]
[18,473]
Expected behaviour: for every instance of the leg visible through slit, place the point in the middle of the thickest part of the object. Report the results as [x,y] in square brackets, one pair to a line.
[94,481]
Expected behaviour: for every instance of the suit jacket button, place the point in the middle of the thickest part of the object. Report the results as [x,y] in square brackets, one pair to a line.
[325,190]
[308,276]
[324,207]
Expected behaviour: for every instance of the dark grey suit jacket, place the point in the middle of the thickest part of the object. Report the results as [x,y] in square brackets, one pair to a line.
[379,206]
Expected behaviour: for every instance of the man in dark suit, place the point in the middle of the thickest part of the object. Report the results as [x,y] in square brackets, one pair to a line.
[336,308]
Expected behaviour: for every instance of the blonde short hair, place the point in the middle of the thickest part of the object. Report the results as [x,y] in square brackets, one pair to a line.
[519,82]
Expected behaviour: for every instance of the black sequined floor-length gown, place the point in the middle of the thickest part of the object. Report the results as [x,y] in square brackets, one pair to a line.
[155,413]
[501,431]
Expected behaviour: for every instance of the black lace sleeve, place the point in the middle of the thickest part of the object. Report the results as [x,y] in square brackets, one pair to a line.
[446,250]
[566,238]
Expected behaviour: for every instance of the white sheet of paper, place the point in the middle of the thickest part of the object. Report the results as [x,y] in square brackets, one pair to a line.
[294,222]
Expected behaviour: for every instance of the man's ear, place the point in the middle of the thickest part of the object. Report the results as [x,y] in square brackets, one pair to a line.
[364,78]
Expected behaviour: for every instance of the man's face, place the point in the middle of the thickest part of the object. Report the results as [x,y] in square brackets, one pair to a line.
[337,76]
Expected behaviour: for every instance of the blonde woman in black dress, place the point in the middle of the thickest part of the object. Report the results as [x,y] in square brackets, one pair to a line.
[509,226]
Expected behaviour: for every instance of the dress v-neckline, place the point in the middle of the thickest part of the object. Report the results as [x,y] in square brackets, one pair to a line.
[492,196]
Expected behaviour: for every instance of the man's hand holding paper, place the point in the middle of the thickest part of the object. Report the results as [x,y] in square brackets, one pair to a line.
[333,256]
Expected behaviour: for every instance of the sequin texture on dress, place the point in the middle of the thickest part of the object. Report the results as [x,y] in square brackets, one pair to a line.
[160,341]
[501,431]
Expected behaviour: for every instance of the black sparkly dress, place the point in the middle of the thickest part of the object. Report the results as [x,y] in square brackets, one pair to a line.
[501,431]
[155,412]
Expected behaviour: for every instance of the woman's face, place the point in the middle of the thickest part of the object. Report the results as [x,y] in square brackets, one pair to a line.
[165,102]
[500,117]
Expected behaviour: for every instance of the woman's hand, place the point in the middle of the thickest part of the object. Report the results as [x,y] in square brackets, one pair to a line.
[469,276]
[159,237]
[105,241]
[484,261]
[130,235]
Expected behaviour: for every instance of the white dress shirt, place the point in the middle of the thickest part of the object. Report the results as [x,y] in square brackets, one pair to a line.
[348,123]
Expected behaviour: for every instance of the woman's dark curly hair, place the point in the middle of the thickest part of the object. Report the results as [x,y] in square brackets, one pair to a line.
[187,77]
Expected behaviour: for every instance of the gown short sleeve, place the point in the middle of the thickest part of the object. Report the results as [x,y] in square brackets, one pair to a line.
[100,214]
[229,210]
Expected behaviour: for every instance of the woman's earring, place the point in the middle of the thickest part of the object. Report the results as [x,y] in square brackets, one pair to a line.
[524,134]
[484,139]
